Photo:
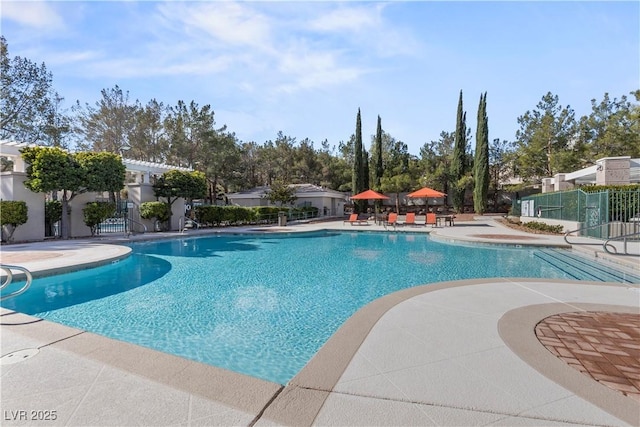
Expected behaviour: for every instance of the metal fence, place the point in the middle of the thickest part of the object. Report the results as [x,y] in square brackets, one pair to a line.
[617,211]
[118,222]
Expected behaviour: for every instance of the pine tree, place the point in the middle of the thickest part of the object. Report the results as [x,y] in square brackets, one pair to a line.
[481,162]
[458,163]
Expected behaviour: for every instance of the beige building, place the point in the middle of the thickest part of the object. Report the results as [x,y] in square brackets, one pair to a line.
[606,171]
[328,202]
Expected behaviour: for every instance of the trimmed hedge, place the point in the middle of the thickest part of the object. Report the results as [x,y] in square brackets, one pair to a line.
[239,215]
[13,213]
[96,212]
[158,210]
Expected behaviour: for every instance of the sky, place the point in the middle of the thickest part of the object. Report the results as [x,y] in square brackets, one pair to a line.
[305,68]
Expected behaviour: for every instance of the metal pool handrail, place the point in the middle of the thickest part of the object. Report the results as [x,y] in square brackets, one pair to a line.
[7,281]
[624,238]
[581,229]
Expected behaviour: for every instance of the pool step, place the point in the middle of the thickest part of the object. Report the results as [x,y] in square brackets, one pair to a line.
[585,269]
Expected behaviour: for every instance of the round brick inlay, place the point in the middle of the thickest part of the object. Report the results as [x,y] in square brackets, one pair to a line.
[602,345]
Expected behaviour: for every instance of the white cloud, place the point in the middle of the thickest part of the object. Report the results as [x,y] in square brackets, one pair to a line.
[35,14]
[354,19]
[227,22]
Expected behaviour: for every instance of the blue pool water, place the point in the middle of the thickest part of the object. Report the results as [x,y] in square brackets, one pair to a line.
[259,305]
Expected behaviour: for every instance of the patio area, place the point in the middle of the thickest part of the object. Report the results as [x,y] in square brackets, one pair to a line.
[472,352]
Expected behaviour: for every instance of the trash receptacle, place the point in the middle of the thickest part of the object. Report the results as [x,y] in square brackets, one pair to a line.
[282,219]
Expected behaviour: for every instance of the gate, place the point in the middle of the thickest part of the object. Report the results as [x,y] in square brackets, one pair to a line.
[596,213]
[118,222]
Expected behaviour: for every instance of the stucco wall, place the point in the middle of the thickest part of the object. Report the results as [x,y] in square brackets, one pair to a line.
[78,227]
[12,188]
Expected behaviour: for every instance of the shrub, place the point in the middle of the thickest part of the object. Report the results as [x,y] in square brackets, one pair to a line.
[12,215]
[541,226]
[52,214]
[216,215]
[95,213]
[158,210]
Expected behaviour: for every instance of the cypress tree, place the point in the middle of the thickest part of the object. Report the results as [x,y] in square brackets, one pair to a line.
[481,161]
[358,167]
[458,163]
[365,177]
[379,170]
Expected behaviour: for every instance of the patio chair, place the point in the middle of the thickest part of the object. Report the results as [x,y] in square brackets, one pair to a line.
[392,220]
[353,219]
[431,219]
[410,219]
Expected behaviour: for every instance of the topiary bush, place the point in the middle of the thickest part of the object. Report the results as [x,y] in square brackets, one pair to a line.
[158,210]
[13,213]
[96,212]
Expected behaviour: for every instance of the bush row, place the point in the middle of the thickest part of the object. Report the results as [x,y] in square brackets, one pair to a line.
[238,215]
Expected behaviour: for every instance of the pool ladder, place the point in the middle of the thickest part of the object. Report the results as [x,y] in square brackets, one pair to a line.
[9,278]
[182,224]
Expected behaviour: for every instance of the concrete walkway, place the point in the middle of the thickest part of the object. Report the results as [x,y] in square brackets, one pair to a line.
[456,353]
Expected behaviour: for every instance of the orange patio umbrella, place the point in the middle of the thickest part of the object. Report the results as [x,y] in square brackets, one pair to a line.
[425,193]
[369,195]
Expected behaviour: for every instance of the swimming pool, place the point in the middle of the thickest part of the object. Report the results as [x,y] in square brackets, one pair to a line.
[261,305]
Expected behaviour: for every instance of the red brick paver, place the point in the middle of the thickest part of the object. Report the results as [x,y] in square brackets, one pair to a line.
[602,345]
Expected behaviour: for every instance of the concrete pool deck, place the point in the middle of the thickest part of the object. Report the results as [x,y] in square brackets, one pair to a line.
[455,353]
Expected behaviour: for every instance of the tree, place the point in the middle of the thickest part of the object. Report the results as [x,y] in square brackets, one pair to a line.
[51,169]
[102,171]
[501,159]
[358,179]
[611,129]
[24,97]
[96,212]
[220,160]
[58,124]
[281,194]
[377,155]
[435,162]
[188,129]
[545,140]
[12,215]
[109,125]
[175,184]
[481,163]
[148,140]
[379,169]
[459,161]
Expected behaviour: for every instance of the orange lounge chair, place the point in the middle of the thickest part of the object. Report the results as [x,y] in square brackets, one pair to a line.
[391,220]
[431,219]
[353,219]
[410,219]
